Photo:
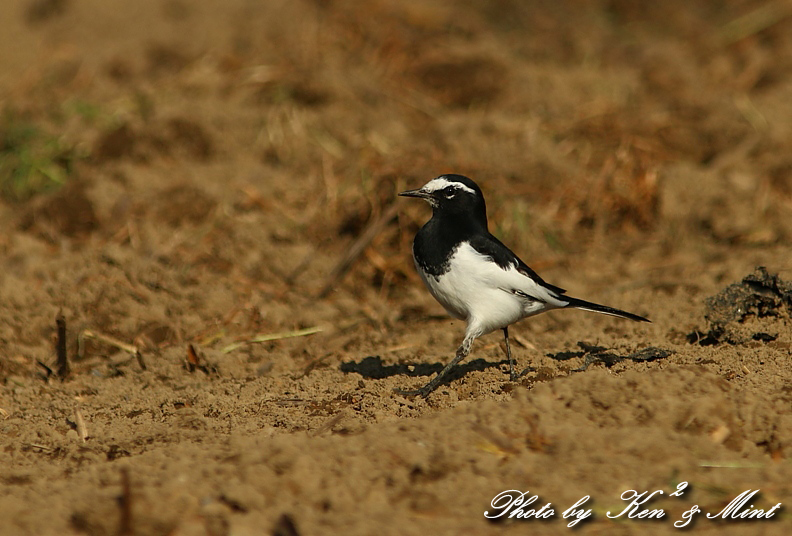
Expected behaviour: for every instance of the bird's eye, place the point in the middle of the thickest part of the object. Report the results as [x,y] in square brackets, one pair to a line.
[450,193]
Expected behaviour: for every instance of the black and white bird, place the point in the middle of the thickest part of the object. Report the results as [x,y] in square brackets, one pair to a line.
[474,276]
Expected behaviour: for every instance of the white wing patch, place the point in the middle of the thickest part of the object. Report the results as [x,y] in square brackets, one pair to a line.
[441,182]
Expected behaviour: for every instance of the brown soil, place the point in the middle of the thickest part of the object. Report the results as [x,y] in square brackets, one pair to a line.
[223,160]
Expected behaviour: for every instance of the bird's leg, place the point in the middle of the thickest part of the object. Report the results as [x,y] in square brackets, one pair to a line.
[461,353]
[512,375]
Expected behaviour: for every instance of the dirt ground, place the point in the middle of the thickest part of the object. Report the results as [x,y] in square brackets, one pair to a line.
[220,160]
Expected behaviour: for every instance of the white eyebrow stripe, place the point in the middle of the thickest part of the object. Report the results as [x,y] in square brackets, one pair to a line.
[441,182]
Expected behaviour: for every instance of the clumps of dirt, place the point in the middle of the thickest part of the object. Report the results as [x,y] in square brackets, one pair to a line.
[164,58]
[599,354]
[190,137]
[462,82]
[629,197]
[175,137]
[40,11]
[759,294]
[281,87]
[184,203]
[623,187]
[115,143]
[68,212]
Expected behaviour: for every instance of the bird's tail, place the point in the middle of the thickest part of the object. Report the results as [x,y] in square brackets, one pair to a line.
[604,309]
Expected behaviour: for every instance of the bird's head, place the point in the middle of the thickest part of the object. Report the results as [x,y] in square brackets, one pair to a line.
[452,194]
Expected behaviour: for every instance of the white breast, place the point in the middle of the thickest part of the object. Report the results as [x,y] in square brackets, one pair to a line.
[479,291]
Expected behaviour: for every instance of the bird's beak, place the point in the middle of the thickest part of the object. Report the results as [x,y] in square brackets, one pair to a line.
[416,193]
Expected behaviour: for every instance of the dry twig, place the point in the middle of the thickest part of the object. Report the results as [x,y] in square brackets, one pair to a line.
[755,21]
[79,421]
[125,526]
[60,348]
[357,248]
[272,337]
[107,339]
[327,425]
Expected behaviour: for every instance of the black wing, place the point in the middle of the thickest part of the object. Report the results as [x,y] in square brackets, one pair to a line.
[488,245]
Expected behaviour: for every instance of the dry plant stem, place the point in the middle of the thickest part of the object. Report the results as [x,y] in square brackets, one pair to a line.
[48,371]
[335,419]
[312,364]
[522,341]
[272,337]
[82,430]
[357,248]
[88,334]
[42,448]
[767,15]
[140,360]
[125,526]
[63,358]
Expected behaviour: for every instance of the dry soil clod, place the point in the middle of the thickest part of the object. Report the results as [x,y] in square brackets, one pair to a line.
[285,526]
[759,294]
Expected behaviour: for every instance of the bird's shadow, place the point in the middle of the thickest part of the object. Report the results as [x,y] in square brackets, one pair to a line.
[599,354]
[372,368]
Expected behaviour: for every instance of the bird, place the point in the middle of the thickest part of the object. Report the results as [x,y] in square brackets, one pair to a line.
[474,276]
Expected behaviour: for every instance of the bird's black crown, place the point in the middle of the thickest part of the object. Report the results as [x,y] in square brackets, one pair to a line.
[453,195]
